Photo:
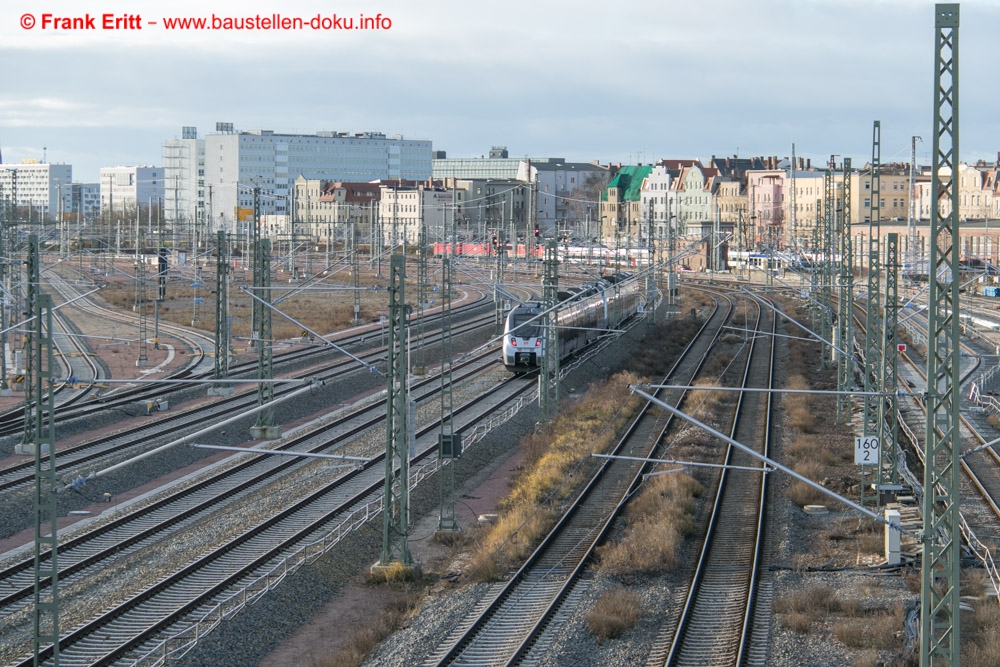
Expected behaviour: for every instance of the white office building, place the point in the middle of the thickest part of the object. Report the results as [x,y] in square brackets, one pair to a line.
[36,185]
[235,162]
[125,188]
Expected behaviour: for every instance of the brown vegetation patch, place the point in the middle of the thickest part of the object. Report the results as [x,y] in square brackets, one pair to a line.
[657,521]
[555,459]
[614,612]
[981,635]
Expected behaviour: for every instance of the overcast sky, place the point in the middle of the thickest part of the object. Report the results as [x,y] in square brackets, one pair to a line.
[624,81]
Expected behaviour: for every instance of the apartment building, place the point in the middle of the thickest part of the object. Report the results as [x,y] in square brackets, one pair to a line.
[35,186]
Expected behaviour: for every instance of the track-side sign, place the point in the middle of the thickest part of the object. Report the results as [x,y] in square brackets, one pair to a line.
[866,451]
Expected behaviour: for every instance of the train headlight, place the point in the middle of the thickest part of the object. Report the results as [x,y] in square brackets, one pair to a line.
[513,341]
[538,342]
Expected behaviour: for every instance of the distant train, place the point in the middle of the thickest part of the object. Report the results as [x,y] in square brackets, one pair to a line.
[741,259]
[585,313]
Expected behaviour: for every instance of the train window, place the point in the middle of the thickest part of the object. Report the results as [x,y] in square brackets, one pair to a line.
[532,330]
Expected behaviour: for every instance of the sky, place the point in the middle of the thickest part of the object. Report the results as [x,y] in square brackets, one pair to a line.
[624,81]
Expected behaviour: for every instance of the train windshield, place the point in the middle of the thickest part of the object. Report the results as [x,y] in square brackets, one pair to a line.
[531,330]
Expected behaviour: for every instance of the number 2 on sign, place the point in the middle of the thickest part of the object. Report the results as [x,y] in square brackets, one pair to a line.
[866,450]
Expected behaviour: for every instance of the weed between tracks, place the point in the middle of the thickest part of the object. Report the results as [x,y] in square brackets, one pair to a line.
[657,521]
[556,457]
[556,462]
[614,612]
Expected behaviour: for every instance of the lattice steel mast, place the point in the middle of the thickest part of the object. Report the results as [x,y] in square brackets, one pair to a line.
[939,590]
[873,327]
[264,427]
[396,497]
[826,285]
[450,443]
[793,213]
[140,297]
[221,369]
[548,377]
[912,253]
[845,319]
[39,438]
[888,475]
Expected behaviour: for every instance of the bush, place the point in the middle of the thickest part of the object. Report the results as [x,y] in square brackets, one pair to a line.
[614,612]
[802,494]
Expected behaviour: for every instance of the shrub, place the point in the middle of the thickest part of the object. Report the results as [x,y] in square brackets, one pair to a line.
[614,612]
[797,622]
[802,494]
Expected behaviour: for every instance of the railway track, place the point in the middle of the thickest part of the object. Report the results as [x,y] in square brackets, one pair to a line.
[716,621]
[199,345]
[333,509]
[526,612]
[86,457]
[295,530]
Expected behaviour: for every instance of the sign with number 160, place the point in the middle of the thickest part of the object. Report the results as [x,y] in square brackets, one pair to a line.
[866,452]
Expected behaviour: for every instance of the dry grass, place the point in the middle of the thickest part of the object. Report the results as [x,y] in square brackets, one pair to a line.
[809,448]
[614,612]
[877,630]
[994,421]
[799,406]
[659,350]
[802,494]
[706,403]
[360,645]
[973,581]
[553,467]
[658,519]
[981,635]
[856,626]
[814,600]
[797,622]
[393,573]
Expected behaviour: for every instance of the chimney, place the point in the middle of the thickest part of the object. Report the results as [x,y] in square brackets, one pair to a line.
[809,163]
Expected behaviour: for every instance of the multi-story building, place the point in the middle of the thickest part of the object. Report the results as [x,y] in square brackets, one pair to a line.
[126,188]
[894,199]
[976,193]
[184,182]
[236,162]
[499,165]
[405,207]
[323,210]
[563,194]
[655,198]
[35,186]
[621,204]
[732,194]
[81,201]
[695,189]
[562,190]
[484,206]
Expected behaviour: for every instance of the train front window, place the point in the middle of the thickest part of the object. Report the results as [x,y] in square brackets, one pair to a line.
[531,330]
